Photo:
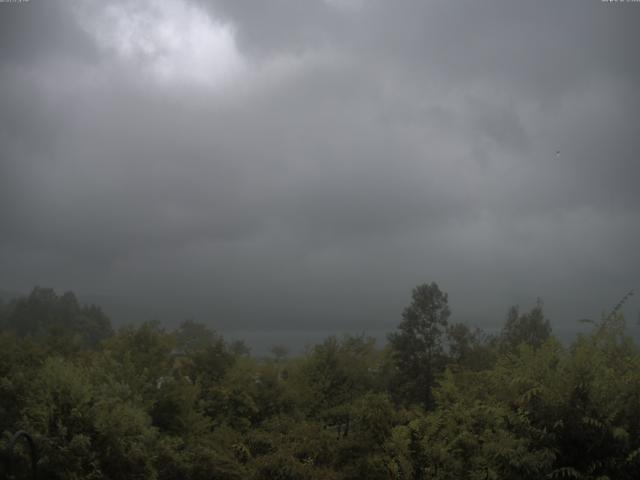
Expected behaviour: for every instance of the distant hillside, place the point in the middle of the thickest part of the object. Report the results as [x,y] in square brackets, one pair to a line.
[7,295]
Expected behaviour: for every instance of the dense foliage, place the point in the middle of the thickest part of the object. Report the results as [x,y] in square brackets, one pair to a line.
[439,401]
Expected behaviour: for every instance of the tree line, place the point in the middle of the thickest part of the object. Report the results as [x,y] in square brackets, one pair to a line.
[440,400]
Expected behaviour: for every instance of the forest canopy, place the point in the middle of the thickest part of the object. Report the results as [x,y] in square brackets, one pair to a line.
[439,400]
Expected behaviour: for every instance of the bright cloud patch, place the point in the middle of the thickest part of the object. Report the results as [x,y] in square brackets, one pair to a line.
[172,39]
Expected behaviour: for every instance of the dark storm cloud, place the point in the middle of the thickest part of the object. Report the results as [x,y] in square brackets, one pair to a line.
[303,165]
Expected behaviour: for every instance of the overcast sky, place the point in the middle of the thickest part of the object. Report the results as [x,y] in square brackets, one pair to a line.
[301,165]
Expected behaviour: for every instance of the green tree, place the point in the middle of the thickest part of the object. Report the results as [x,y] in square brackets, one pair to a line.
[86,424]
[469,349]
[192,336]
[531,328]
[44,314]
[334,374]
[418,344]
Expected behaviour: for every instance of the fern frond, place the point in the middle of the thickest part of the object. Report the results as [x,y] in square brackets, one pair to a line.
[565,472]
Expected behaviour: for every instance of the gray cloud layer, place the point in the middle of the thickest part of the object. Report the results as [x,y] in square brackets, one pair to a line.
[302,165]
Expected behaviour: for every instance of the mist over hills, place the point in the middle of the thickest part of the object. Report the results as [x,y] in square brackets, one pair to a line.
[124,311]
